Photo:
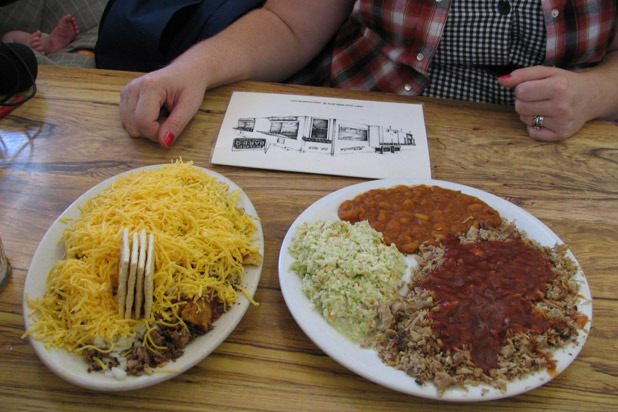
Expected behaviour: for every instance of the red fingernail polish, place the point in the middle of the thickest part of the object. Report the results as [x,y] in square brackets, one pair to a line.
[168,139]
[506,76]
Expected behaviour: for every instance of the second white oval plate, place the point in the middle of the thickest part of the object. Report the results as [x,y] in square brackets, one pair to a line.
[366,362]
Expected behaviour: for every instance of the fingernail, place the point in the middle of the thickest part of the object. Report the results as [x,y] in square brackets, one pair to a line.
[506,76]
[168,139]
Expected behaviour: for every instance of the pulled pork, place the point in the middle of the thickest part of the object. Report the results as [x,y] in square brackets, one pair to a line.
[407,341]
[168,342]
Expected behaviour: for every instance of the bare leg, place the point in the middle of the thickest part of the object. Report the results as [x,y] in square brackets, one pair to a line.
[61,36]
[17,36]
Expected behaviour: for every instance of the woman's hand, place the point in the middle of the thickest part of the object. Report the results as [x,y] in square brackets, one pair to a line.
[177,88]
[565,99]
[270,43]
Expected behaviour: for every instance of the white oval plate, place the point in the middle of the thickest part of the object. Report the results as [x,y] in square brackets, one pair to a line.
[72,367]
[366,362]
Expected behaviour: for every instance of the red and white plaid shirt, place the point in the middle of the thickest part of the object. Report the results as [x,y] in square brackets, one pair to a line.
[388,45]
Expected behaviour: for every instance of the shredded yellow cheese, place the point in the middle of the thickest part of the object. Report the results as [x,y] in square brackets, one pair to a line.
[100,362]
[201,238]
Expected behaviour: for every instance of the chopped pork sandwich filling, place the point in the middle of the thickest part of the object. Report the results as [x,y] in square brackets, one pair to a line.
[484,308]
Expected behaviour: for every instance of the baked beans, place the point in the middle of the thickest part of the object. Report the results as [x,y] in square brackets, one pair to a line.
[409,216]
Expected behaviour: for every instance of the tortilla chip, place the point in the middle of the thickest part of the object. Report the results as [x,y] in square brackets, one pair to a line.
[141,266]
[148,277]
[123,271]
[132,273]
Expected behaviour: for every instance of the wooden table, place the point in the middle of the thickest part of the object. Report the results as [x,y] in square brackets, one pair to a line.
[69,138]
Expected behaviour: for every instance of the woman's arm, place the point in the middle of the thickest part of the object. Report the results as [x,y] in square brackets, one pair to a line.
[270,43]
[608,69]
[566,99]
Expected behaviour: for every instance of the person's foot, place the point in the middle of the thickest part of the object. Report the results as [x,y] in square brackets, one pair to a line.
[61,36]
[35,41]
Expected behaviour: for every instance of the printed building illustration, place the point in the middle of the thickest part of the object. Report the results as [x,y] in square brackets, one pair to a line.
[318,135]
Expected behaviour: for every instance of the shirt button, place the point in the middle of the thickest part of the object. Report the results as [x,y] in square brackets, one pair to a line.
[504,7]
[555,13]
[407,87]
[420,56]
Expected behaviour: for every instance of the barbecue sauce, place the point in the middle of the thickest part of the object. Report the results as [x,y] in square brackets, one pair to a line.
[485,293]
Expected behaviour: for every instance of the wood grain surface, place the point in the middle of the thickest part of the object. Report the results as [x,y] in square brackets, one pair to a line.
[69,138]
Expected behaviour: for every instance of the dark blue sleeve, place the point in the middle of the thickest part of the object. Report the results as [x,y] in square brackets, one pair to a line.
[142,35]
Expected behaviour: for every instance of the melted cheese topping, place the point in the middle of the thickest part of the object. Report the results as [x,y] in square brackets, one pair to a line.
[201,238]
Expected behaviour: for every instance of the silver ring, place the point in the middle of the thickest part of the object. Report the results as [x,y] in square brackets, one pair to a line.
[538,122]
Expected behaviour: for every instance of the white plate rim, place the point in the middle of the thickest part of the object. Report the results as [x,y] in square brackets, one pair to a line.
[366,362]
[67,365]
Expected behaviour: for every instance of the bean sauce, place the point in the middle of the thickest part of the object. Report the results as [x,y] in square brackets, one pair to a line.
[485,292]
[408,216]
